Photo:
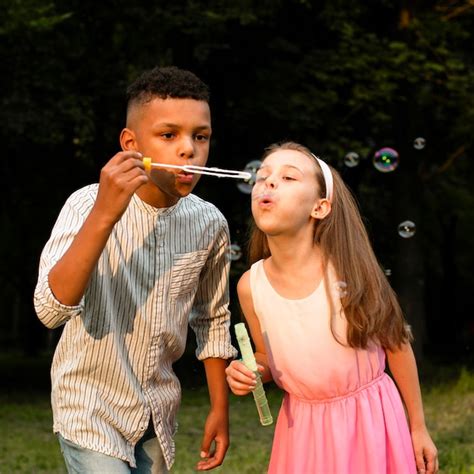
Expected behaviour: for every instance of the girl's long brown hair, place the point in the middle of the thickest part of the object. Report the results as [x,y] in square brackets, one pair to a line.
[370,306]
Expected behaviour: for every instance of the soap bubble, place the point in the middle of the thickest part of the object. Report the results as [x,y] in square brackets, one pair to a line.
[252,167]
[419,143]
[340,289]
[386,160]
[388,272]
[235,252]
[351,159]
[406,229]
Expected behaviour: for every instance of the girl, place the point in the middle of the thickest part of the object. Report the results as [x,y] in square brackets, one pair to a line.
[323,318]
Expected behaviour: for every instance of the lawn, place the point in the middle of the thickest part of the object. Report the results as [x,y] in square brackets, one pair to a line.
[28,446]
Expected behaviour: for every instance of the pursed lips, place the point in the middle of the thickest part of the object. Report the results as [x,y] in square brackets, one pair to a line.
[184,177]
[264,199]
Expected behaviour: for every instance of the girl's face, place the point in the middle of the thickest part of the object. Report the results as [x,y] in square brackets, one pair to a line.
[286,194]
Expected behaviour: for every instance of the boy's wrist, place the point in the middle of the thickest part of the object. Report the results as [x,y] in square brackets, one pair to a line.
[101,222]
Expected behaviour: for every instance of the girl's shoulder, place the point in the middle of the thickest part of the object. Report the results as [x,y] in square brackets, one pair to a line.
[243,285]
[245,281]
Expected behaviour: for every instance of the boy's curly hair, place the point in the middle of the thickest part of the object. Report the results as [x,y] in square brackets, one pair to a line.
[167,82]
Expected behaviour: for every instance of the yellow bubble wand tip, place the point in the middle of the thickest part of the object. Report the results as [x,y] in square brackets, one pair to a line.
[147,164]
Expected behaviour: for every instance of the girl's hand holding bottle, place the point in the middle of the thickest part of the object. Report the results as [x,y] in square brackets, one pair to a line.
[241,380]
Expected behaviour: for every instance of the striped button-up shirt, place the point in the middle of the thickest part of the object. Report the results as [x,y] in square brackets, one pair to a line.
[160,270]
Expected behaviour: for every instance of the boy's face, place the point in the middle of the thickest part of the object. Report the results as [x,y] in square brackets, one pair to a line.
[170,131]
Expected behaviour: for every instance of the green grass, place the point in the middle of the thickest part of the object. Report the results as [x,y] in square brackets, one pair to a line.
[28,445]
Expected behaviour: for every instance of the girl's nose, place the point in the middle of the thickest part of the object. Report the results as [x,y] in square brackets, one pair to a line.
[270,182]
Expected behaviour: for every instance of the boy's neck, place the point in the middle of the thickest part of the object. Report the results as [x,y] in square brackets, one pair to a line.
[155,198]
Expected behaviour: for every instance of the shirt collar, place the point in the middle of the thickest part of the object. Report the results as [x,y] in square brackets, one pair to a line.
[155,211]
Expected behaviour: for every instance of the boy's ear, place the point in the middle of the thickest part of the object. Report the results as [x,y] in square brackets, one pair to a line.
[321,209]
[128,140]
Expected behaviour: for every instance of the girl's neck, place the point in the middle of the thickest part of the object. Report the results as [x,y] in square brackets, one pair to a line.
[293,255]
[294,270]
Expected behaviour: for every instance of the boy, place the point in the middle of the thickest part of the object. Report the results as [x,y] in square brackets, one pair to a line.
[129,261]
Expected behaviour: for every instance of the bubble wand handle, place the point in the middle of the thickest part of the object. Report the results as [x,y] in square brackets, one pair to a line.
[248,359]
[219,172]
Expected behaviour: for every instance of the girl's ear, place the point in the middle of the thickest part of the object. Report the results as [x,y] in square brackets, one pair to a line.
[128,140]
[321,209]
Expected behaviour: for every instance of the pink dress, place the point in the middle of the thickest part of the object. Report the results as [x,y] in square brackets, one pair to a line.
[341,413]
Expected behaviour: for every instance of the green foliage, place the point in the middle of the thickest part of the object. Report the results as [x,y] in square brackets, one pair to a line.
[28,444]
[339,76]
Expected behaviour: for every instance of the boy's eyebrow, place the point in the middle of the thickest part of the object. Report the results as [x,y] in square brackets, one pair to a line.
[175,125]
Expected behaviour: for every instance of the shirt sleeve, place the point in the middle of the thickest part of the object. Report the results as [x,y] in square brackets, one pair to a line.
[51,312]
[210,317]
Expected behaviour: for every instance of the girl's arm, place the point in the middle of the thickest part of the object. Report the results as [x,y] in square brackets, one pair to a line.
[240,379]
[402,365]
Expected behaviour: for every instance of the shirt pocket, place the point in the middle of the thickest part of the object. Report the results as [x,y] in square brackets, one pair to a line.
[185,274]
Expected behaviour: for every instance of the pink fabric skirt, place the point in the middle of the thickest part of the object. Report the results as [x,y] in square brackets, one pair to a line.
[363,432]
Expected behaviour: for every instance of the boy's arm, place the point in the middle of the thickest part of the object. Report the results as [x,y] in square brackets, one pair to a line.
[402,365]
[64,275]
[217,423]
[210,316]
[210,320]
[119,179]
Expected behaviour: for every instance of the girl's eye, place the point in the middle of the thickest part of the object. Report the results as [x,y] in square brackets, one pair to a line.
[288,178]
[260,177]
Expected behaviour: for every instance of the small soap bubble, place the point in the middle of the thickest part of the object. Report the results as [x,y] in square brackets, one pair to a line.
[386,160]
[352,159]
[235,252]
[340,288]
[388,272]
[419,143]
[252,167]
[406,229]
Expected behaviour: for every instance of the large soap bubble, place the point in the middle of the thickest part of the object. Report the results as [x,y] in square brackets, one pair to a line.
[252,168]
[386,160]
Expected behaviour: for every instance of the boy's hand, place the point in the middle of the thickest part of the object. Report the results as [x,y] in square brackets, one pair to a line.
[241,380]
[215,441]
[119,179]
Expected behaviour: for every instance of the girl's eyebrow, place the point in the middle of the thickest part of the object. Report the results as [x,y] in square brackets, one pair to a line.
[283,166]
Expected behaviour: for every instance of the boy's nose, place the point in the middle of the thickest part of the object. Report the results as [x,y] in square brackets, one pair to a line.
[186,149]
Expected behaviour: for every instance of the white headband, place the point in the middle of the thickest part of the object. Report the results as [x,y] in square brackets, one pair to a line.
[327,175]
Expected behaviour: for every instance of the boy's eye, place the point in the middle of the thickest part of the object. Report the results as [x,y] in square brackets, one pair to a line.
[167,135]
[201,138]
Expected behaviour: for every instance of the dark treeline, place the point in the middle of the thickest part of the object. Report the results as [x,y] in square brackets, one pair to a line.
[338,76]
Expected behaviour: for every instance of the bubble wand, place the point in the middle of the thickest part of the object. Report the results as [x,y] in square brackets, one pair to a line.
[219,172]
[249,360]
